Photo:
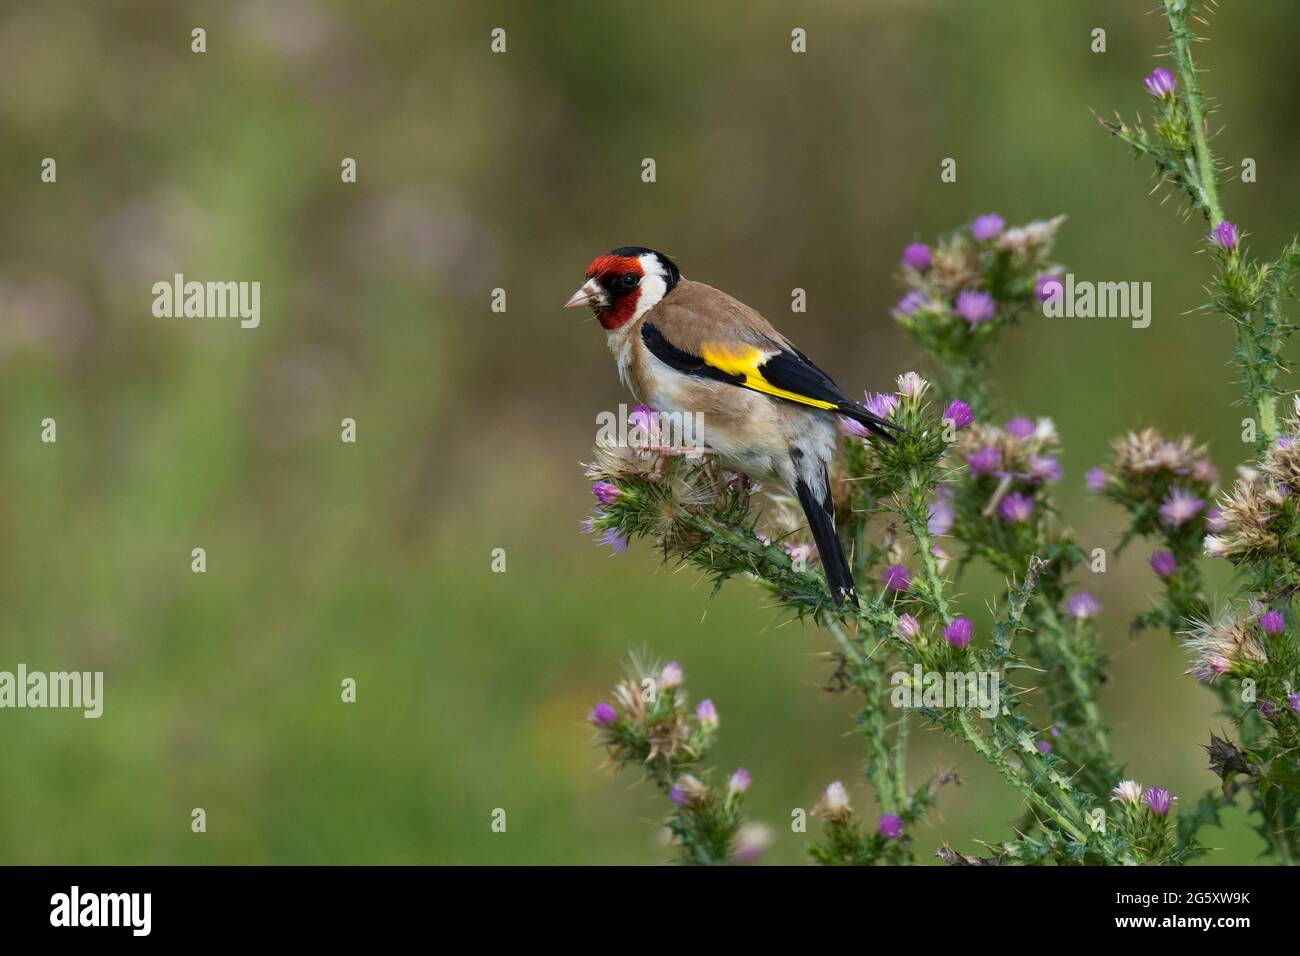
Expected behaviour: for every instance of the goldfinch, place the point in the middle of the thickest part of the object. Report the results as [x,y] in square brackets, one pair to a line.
[767,411]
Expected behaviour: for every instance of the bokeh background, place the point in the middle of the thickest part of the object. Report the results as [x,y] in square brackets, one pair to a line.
[478,171]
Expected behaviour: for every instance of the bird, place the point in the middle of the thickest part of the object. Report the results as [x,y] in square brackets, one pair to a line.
[768,412]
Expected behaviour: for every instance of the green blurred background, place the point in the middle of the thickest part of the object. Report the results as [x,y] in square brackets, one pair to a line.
[478,171]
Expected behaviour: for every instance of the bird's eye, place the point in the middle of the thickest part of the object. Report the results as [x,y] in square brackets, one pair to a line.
[630,280]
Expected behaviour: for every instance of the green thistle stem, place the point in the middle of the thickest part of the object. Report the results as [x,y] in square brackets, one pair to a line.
[1177,11]
[915,514]
[997,759]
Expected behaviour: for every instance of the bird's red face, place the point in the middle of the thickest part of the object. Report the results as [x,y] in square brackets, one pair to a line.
[623,284]
[612,289]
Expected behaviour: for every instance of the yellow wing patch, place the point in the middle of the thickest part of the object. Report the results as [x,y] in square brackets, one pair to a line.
[741,359]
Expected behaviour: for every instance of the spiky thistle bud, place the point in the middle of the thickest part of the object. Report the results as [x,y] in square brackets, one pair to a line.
[834,805]
[707,713]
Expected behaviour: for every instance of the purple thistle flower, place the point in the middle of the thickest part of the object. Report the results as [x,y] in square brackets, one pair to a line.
[1161,83]
[984,460]
[959,632]
[907,627]
[739,781]
[974,307]
[671,677]
[606,492]
[959,413]
[1020,427]
[897,578]
[1044,468]
[1163,564]
[1214,519]
[1096,480]
[603,714]
[917,256]
[987,227]
[1180,507]
[707,712]
[881,404]
[1082,606]
[1266,708]
[1224,236]
[1016,508]
[1044,746]
[1048,287]
[909,303]
[616,542]
[1293,701]
[677,795]
[642,417]
[1272,623]
[1159,800]
[891,826]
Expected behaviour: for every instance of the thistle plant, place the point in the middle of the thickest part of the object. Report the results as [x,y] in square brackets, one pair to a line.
[650,725]
[1240,644]
[971,483]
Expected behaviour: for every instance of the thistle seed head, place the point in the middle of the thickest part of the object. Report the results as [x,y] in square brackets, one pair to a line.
[1225,645]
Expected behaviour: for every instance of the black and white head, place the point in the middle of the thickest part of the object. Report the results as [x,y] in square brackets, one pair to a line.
[625,283]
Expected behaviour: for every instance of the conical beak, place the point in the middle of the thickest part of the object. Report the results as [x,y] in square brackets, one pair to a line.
[590,294]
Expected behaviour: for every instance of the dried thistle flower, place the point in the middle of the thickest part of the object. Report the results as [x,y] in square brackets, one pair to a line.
[1246,521]
[834,806]
[1127,791]
[689,791]
[1282,463]
[1224,645]
[1143,453]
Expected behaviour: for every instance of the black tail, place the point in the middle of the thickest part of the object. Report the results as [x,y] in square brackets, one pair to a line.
[874,423]
[821,521]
